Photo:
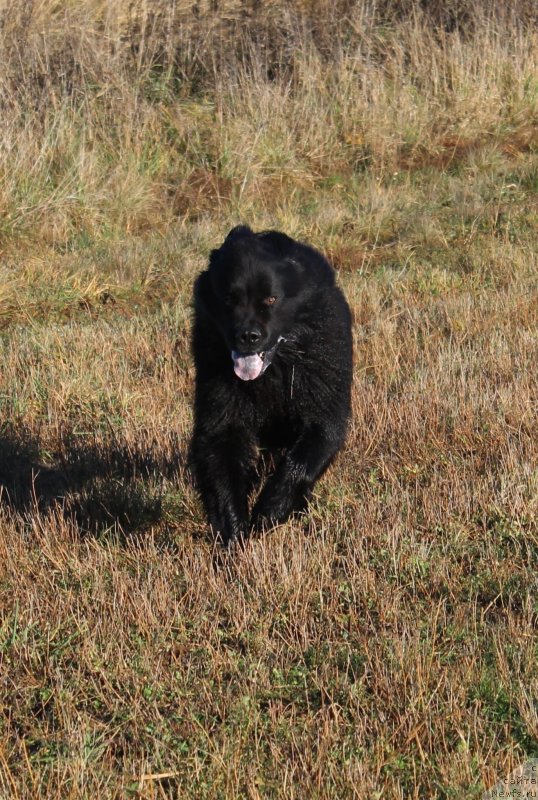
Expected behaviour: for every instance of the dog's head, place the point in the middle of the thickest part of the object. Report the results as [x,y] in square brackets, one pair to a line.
[252,290]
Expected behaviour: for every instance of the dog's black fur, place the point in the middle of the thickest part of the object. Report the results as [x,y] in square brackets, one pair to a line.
[266,293]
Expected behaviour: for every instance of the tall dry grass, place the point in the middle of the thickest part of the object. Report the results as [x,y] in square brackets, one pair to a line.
[122,120]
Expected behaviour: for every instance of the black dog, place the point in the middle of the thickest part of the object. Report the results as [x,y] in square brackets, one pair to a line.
[273,355]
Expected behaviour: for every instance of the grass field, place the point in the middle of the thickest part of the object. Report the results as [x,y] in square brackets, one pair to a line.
[385,644]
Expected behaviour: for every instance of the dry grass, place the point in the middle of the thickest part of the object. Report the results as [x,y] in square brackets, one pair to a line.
[384,646]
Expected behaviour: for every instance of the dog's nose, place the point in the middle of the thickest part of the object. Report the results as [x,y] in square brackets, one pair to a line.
[249,337]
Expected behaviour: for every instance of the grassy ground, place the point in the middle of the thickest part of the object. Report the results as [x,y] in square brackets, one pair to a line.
[383,646]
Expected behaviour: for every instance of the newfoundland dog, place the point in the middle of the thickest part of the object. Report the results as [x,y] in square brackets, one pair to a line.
[273,356]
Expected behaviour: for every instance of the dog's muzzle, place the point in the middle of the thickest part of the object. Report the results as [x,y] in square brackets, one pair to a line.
[250,367]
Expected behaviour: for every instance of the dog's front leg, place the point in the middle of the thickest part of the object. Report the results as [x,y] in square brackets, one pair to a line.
[224,470]
[290,487]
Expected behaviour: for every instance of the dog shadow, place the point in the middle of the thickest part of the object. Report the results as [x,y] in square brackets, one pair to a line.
[103,485]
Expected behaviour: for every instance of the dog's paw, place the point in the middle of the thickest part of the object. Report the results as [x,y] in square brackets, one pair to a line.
[230,537]
[264,518]
[260,522]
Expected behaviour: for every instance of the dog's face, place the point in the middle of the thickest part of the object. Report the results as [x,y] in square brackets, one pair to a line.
[255,292]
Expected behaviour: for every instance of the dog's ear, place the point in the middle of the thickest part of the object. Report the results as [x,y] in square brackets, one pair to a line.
[281,242]
[237,232]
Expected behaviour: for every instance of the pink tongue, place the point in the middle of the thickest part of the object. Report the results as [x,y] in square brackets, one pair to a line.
[247,367]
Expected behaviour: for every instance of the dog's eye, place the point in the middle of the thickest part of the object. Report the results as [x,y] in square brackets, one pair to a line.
[269,301]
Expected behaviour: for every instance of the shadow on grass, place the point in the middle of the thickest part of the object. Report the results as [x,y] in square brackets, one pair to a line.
[104,485]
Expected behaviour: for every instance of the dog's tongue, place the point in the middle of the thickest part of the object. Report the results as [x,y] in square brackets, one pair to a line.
[247,367]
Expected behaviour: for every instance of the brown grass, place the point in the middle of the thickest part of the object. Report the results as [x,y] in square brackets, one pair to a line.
[384,645]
